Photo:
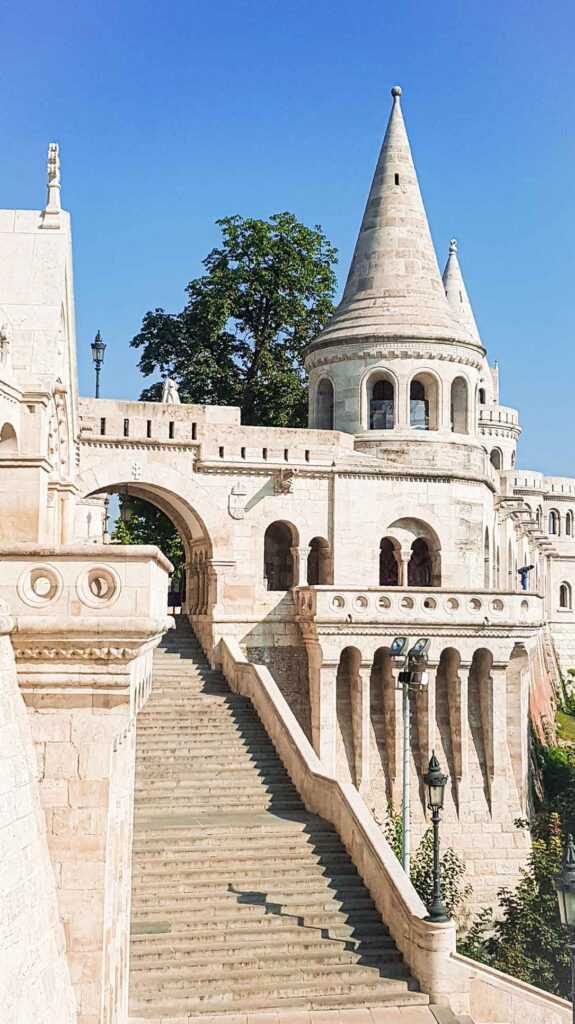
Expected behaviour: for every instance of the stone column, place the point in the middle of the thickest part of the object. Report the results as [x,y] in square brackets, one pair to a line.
[405,556]
[393,716]
[322,692]
[299,567]
[457,690]
[360,711]
[493,703]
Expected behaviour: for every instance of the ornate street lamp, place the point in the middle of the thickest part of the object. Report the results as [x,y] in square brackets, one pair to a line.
[565,889]
[98,348]
[435,782]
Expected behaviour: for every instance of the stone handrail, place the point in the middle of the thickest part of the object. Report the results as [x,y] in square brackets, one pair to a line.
[495,996]
[424,605]
[426,947]
[429,949]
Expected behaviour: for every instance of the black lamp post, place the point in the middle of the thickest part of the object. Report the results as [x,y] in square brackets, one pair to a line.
[565,889]
[435,782]
[98,348]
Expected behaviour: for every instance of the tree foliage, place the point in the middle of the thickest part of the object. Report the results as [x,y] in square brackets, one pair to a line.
[526,938]
[240,339]
[147,524]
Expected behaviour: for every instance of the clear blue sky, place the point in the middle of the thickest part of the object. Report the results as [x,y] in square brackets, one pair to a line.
[171,115]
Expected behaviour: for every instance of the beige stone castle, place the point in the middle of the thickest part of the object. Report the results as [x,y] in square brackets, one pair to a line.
[174,797]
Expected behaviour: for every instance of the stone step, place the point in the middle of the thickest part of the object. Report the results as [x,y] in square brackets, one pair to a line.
[152,949]
[197,913]
[269,975]
[206,874]
[230,932]
[149,883]
[390,994]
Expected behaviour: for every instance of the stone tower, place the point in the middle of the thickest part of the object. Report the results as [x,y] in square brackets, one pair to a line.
[401,359]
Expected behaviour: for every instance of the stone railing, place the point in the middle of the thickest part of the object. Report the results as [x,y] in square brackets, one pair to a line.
[448,978]
[431,605]
[427,947]
[495,997]
[498,415]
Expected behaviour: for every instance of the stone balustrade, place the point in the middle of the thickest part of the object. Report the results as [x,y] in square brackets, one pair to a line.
[501,415]
[409,605]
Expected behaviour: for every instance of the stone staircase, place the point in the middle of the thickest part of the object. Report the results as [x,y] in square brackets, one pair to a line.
[242,901]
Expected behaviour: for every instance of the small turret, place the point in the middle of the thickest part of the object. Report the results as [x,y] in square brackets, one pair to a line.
[456,293]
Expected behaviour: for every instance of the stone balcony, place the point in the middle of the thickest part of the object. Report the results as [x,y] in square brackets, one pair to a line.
[376,614]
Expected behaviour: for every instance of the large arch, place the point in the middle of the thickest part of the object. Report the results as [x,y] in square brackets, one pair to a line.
[182,493]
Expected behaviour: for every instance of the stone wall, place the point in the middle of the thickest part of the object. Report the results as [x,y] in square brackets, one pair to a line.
[34,977]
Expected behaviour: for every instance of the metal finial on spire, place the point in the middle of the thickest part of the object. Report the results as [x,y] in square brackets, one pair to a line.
[453,247]
[53,205]
[396,91]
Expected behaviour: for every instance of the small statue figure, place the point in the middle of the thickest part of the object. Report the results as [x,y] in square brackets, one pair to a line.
[170,394]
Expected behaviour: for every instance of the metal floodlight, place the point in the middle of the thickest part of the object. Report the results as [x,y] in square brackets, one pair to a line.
[398,646]
[420,648]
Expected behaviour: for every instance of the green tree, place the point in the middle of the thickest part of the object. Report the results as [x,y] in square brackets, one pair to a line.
[143,523]
[526,938]
[240,339]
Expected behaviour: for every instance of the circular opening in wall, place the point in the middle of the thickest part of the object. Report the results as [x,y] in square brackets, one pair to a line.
[338,602]
[430,603]
[452,604]
[475,604]
[39,585]
[384,602]
[524,607]
[360,602]
[43,586]
[98,587]
[497,605]
[407,602]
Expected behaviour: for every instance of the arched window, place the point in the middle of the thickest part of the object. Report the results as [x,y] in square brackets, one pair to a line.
[569,524]
[278,557]
[554,523]
[382,405]
[496,458]
[497,567]
[324,409]
[539,517]
[419,569]
[423,402]
[565,596]
[8,441]
[513,460]
[388,564]
[319,563]
[482,396]
[459,406]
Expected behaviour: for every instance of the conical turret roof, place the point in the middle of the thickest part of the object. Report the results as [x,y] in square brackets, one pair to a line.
[394,286]
[456,293]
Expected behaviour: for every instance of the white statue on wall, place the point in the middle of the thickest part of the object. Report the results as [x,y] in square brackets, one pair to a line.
[170,394]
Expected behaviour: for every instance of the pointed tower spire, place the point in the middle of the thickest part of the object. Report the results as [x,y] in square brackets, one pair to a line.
[456,293]
[394,285]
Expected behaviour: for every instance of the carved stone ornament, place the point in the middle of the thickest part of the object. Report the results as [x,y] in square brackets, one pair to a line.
[136,471]
[170,393]
[237,500]
[283,481]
